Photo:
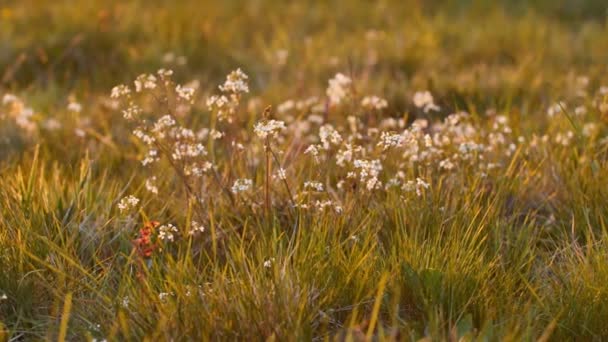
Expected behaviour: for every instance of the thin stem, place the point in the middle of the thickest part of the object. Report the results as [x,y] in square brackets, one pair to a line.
[268,166]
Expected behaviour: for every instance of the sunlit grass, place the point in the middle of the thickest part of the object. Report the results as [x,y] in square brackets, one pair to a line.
[496,233]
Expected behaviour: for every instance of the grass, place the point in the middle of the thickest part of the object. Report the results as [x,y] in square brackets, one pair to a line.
[510,244]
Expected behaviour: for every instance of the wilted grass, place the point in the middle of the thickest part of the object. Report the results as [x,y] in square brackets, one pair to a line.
[508,244]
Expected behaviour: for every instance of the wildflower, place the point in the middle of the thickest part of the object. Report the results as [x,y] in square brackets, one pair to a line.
[195,228]
[164,73]
[216,101]
[241,185]
[418,186]
[150,158]
[314,151]
[424,100]
[166,231]
[131,112]
[374,102]
[9,98]
[282,174]
[144,81]
[369,170]
[74,107]
[556,109]
[236,83]
[164,295]
[184,93]
[125,301]
[268,263]
[52,124]
[446,164]
[143,243]
[79,132]
[317,186]
[120,91]
[389,140]
[127,203]
[151,186]
[338,88]
[161,124]
[215,134]
[269,128]
[3,297]
[328,134]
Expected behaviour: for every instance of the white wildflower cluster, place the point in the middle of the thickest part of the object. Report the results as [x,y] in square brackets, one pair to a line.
[339,88]
[185,93]
[14,109]
[151,185]
[268,263]
[128,203]
[374,103]
[417,186]
[424,100]
[74,107]
[329,136]
[268,128]
[144,81]
[236,83]
[241,185]
[282,174]
[164,296]
[120,91]
[167,232]
[390,140]
[369,171]
[316,186]
[226,104]
[196,228]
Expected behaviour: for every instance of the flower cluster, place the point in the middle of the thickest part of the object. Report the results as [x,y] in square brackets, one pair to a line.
[339,88]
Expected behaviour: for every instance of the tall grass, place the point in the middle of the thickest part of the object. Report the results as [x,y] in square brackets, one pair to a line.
[508,244]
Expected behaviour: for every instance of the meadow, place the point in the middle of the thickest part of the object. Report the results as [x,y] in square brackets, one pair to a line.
[332,170]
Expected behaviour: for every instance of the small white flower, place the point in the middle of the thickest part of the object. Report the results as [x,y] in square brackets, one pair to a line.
[374,102]
[127,203]
[164,295]
[282,174]
[120,91]
[338,88]
[389,140]
[424,100]
[236,82]
[164,73]
[166,231]
[151,185]
[317,186]
[195,228]
[74,107]
[268,263]
[241,185]
[9,98]
[269,128]
[144,81]
[184,93]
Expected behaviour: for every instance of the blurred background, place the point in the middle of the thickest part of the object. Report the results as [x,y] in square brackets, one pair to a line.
[506,46]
